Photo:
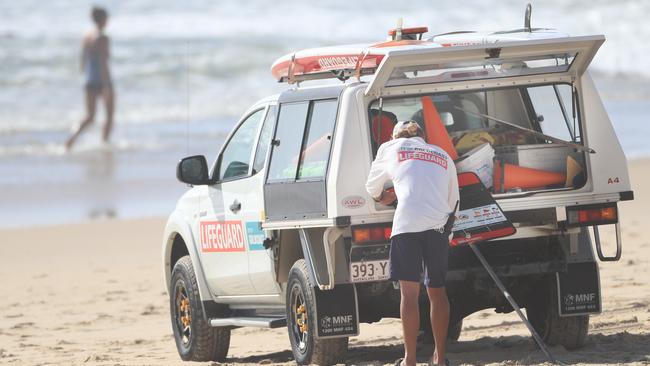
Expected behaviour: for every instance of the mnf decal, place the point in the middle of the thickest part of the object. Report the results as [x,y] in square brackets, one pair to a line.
[221,236]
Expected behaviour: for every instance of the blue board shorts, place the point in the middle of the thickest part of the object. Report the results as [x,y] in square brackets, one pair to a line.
[413,253]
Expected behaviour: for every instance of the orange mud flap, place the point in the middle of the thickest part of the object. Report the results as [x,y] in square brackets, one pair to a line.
[480,219]
[337,313]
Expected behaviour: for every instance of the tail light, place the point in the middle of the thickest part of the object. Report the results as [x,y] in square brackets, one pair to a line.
[364,234]
[592,215]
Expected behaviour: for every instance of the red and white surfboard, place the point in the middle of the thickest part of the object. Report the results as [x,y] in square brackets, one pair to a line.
[325,59]
[346,57]
[365,58]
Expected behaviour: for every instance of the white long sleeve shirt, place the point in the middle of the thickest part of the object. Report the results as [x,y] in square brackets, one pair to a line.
[425,182]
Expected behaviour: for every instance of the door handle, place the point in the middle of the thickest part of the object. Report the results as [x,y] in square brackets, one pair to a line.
[235,206]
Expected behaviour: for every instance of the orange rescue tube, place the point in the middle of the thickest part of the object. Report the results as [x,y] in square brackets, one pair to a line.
[508,176]
[435,130]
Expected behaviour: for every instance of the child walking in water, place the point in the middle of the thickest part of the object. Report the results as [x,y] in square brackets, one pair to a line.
[94,65]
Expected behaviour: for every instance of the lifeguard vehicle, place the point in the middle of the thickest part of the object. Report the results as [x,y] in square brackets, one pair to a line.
[278,230]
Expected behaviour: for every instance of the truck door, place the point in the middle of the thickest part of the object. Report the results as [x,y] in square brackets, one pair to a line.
[261,268]
[232,202]
[295,188]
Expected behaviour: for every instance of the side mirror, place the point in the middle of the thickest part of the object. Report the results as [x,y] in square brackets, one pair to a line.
[193,170]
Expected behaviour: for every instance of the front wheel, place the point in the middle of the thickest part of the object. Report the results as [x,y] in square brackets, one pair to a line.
[195,339]
[301,322]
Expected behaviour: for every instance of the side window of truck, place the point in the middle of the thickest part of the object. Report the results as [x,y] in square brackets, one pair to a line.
[318,139]
[265,139]
[553,110]
[237,155]
[288,141]
[301,147]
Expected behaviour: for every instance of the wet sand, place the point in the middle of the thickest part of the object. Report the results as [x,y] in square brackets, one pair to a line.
[93,293]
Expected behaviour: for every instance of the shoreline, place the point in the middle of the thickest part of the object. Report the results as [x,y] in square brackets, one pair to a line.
[93,204]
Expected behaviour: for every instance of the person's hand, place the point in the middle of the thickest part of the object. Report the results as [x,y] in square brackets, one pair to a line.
[388,197]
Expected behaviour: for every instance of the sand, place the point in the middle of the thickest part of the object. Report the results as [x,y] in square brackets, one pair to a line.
[93,293]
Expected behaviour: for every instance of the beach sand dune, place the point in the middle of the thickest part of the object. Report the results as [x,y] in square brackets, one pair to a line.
[93,294]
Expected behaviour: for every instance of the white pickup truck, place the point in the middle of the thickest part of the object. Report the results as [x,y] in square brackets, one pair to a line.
[280,232]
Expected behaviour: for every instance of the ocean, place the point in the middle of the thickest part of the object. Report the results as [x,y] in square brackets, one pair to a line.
[185,71]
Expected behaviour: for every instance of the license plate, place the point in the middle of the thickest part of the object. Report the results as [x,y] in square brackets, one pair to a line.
[369,263]
[369,271]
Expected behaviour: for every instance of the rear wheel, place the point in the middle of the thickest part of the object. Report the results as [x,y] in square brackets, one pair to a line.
[195,339]
[453,333]
[301,322]
[426,336]
[570,332]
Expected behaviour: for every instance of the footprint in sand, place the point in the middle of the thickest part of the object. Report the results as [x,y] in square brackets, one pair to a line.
[149,310]
[13,316]
[115,292]
[101,316]
[97,358]
[5,354]
[23,325]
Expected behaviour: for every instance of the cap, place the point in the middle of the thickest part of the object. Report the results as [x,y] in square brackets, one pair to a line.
[406,129]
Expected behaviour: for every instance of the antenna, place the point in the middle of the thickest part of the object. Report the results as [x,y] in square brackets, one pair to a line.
[529,9]
[187,97]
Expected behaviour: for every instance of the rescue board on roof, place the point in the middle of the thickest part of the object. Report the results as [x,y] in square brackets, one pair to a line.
[324,62]
[341,61]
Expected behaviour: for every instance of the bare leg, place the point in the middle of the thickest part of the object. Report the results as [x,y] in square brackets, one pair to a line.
[410,314]
[91,99]
[439,322]
[109,102]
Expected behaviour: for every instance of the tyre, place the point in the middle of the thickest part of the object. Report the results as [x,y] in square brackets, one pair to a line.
[453,332]
[195,339]
[570,332]
[301,322]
